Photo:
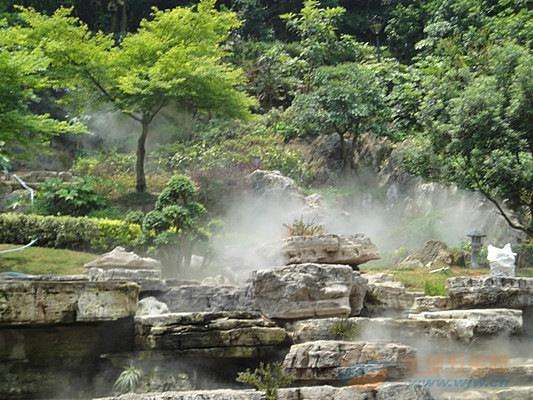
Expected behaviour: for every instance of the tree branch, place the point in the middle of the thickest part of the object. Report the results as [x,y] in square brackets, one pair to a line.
[504,214]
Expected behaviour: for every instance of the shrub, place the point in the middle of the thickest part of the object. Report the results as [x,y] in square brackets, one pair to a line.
[267,378]
[83,234]
[301,228]
[177,223]
[344,329]
[128,380]
[78,197]
[434,288]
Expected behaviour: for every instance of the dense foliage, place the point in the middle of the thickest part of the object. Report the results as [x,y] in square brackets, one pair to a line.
[449,79]
[83,234]
[76,198]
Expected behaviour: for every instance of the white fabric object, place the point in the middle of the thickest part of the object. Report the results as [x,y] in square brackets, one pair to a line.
[502,261]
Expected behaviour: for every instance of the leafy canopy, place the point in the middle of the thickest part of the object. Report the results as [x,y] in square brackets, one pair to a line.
[23,77]
[175,58]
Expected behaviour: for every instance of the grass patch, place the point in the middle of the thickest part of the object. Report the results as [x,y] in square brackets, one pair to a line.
[42,261]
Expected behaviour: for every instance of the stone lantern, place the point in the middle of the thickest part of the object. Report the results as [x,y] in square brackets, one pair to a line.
[477,240]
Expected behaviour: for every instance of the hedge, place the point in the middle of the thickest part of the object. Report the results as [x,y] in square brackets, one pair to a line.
[82,234]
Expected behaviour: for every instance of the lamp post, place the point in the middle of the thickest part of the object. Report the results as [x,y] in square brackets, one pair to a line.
[477,239]
[376,25]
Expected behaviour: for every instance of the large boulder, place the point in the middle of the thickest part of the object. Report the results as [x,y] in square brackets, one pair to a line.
[273,183]
[222,334]
[490,292]
[31,302]
[341,362]
[329,249]
[120,258]
[434,254]
[308,290]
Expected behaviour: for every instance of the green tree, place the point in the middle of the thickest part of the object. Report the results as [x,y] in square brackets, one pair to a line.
[347,100]
[476,129]
[22,80]
[175,60]
[177,223]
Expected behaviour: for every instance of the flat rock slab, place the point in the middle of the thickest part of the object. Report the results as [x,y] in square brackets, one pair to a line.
[208,331]
[490,292]
[54,302]
[206,298]
[384,391]
[454,326]
[508,393]
[308,290]
[329,249]
[148,279]
[120,258]
[349,363]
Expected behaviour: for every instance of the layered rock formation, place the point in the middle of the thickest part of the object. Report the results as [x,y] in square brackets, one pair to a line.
[384,391]
[329,249]
[120,258]
[223,334]
[463,326]
[487,292]
[34,302]
[343,362]
[308,290]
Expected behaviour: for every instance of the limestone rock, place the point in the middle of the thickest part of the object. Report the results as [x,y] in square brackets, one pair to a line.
[457,326]
[272,183]
[52,302]
[467,324]
[434,253]
[307,290]
[386,296]
[148,279]
[513,392]
[384,391]
[236,332]
[490,292]
[430,303]
[329,249]
[350,363]
[120,258]
[206,298]
[151,306]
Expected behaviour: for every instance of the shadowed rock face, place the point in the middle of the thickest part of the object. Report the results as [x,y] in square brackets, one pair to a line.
[230,334]
[34,302]
[340,362]
[490,292]
[384,391]
[329,249]
[308,290]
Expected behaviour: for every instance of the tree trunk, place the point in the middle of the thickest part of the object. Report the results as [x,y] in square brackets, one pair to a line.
[352,152]
[141,152]
[344,154]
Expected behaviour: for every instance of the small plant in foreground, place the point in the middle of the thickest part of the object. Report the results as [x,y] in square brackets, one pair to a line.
[434,288]
[128,380]
[267,378]
[301,228]
[344,329]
